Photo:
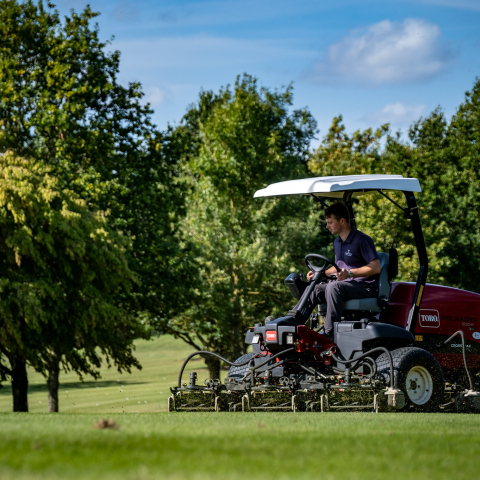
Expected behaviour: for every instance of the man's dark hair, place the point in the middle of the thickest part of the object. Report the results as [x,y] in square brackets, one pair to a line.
[337,210]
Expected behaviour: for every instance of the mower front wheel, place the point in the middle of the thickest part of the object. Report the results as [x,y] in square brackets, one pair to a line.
[418,374]
[240,372]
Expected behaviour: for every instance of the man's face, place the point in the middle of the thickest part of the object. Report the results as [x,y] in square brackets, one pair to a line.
[333,225]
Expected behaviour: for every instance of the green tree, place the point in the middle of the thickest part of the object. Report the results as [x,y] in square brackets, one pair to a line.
[63,272]
[232,144]
[61,104]
[446,157]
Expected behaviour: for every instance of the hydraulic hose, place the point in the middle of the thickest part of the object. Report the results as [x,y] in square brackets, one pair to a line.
[311,370]
[373,370]
[269,359]
[200,352]
[273,357]
[464,354]
[280,362]
[271,367]
[372,367]
[252,362]
[383,349]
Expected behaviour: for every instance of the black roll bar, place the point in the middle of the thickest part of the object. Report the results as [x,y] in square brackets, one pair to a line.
[411,212]
[347,200]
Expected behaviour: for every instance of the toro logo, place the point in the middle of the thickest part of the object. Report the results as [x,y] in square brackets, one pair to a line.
[429,318]
[271,336]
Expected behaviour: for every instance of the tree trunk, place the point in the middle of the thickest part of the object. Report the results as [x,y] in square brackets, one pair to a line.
[52,384]
[237,349]
[237,315]
[213,365]
[19,384]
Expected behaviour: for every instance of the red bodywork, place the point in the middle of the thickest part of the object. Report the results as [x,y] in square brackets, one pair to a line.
[444,311]
[313,341]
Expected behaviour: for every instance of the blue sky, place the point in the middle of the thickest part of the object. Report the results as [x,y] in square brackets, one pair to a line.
[374,62]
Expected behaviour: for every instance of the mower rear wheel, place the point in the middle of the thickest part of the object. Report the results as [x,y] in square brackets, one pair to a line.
[419,376]
[240,372]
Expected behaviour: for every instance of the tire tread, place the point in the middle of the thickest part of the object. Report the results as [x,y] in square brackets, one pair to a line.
[239,372]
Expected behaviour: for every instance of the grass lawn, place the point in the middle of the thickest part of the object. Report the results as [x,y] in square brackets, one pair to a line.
[143,390]
[153,444]
[241,446]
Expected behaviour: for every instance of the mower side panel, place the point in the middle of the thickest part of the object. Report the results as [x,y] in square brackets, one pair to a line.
[444,311]
[354,338]
[396,312]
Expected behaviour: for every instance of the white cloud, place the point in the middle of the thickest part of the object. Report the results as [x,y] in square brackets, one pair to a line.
[396,114]
[385,53]
[154,95]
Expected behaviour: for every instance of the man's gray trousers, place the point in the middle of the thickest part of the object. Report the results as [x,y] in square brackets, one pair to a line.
[334,294]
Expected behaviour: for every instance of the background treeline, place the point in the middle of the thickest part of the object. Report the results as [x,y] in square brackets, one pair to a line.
[111,230]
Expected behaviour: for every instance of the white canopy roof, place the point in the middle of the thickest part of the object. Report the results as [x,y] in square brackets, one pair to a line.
[336,186]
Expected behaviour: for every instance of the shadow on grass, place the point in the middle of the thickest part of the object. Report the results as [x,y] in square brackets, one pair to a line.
[42,387]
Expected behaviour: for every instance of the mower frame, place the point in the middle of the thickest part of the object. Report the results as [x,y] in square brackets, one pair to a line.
[386,344]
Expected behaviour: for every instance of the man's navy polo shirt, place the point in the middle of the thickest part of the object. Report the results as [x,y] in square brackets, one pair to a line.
[356,251]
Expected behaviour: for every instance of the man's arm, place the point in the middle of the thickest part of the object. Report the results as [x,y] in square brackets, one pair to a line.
[373,268]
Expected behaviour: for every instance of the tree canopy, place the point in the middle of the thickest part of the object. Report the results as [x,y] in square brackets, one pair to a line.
[62,275]
[60,99]
[236,142]
[61,105]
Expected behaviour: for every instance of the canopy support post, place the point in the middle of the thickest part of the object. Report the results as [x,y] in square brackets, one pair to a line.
[347,200]
[411,212]
[319,200]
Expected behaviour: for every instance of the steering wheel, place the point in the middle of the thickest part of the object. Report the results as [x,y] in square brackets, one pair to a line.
[327,261]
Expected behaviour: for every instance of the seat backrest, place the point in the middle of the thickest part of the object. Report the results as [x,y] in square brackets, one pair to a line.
[383,283]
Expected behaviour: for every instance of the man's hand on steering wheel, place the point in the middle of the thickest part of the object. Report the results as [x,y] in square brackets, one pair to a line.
[322,270]
[310,275]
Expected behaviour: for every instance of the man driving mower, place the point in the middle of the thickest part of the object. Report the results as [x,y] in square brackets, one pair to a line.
[357,258]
